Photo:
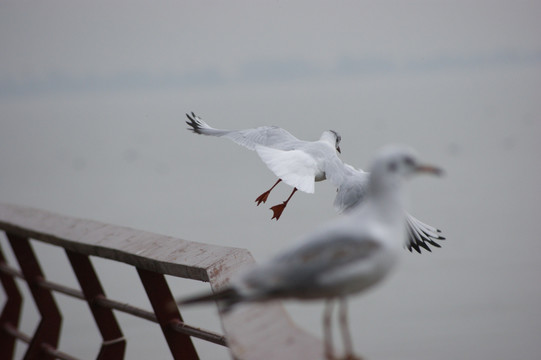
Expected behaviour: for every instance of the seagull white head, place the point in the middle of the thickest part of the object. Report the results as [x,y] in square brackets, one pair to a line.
[394,164]
[332,137]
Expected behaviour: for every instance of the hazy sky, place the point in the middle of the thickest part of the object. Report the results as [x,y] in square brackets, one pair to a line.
[62,46]
[92,103]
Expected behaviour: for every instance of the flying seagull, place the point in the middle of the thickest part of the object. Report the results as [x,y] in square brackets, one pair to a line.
[301,163]
[343,257]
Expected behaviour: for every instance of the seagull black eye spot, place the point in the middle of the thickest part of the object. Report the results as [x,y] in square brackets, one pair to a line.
[392,167]
[409,161]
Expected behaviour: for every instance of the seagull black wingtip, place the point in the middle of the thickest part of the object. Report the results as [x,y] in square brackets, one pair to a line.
[433,243]
[425,246]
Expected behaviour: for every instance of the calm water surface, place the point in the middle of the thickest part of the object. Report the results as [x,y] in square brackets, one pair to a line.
[128,160]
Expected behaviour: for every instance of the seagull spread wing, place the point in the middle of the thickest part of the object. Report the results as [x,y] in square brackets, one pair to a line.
[350,183]
[421,234]
[249,138]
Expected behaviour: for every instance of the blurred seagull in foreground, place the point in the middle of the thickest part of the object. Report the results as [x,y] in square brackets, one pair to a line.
[301,163]
[340,258]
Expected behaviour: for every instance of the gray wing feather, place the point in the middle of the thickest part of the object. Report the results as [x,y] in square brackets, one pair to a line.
[350,183]
[421,235]
[304,265]
[271,136]
[351,192]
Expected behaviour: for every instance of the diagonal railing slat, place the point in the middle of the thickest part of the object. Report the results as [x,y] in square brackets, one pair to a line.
[11,314]
[113,344]
[167,313]
[47,334]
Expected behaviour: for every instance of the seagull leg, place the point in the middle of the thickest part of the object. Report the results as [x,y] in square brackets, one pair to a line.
[327,330]
[263,197]
[344,329]
[278,209]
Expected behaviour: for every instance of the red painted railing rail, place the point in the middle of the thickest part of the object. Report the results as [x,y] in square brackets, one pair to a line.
[251,332]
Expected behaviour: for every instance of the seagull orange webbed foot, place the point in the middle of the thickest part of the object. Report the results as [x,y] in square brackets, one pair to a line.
[263,197]
[278,209]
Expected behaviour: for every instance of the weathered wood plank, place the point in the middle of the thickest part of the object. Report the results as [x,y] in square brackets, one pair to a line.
[158,253]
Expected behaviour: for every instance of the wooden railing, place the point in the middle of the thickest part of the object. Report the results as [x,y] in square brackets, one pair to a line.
[250,332]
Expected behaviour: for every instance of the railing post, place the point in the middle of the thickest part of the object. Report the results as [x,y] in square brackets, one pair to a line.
[11,313]
[114,343]
[167,314]
[48,331]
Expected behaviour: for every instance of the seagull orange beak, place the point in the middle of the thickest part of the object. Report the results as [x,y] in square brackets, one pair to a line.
[429,169]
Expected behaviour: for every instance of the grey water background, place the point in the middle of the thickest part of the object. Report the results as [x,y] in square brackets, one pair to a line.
[93,96]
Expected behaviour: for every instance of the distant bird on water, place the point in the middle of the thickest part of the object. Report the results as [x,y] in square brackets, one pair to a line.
[301,163]
[343,257]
